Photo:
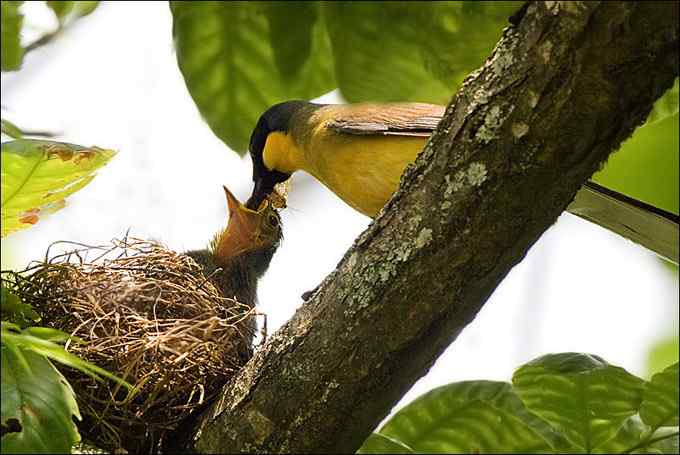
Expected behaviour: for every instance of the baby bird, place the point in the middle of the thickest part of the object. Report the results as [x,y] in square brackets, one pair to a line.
[240,254]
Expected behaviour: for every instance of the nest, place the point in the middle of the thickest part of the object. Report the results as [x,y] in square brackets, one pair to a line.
[148,315]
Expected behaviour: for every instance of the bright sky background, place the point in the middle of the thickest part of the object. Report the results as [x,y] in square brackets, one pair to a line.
[112,81]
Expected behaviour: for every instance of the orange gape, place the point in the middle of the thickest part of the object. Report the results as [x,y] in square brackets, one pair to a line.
[248,230]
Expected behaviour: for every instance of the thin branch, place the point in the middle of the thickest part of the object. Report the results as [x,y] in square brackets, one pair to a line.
[646,442]
[45,39]
[13,131]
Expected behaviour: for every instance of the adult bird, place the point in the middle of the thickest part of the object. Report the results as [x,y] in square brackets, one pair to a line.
[240,254]
[359,152]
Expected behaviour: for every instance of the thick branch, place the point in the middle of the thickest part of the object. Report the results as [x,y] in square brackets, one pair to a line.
[561,91]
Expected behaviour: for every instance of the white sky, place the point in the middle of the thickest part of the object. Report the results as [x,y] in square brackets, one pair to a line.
[113,81]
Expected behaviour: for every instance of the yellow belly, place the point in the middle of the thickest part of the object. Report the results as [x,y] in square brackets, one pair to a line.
[363,171]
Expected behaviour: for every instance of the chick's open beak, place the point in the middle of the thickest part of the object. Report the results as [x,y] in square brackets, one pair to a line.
[243,233]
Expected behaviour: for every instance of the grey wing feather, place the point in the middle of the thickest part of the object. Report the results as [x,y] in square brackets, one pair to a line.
[394,119]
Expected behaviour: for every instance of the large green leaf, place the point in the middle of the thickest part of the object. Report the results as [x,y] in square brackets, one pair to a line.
[472,29]
[232,71]
[38,175]
[417,51]
[69,10]
[291,26]
[61,8]
[38,405]
[581,395]
[12,20]
[379,443]
[469,417]
[660,399]
[646,165]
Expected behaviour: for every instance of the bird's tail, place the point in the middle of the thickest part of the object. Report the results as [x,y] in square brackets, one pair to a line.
[642,223]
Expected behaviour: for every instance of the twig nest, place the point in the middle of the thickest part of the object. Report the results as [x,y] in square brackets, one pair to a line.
[150,316]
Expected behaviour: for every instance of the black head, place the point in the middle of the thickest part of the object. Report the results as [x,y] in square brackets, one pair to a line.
[276,118]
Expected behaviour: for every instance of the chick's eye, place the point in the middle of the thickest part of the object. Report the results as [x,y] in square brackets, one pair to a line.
[273,220]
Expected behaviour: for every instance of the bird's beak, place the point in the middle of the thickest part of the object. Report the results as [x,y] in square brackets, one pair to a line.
[243,222]
[261,190]
[243,231]
[236,209]
[275,194]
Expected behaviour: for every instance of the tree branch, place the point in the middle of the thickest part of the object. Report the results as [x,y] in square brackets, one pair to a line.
[47,38]
[561,90]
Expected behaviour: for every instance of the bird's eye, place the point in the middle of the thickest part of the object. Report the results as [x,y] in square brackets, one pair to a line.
[273,220]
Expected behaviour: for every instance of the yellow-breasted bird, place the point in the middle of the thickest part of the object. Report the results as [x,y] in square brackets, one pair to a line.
[240,254]
[359,152]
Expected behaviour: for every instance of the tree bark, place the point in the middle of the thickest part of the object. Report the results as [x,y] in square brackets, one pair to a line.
[561,90]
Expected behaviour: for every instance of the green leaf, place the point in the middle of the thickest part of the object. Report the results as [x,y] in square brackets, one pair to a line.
[68,10]
[666,106]
[83,8]
[50,334]
[469,417]
[14,310]
[12,21]
[660,399]
[61,8]
[291,34]
[38,175]
[379,443]
[411,51]
[646,167]
[224,51]
[581,395]
[43,340]
[11,129]
[478,24]
[37,405]
[663,353]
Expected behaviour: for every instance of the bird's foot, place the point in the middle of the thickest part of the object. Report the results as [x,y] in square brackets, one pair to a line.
[308,295]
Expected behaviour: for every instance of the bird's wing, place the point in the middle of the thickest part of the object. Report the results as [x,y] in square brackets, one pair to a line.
[648,226]
[390,119]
